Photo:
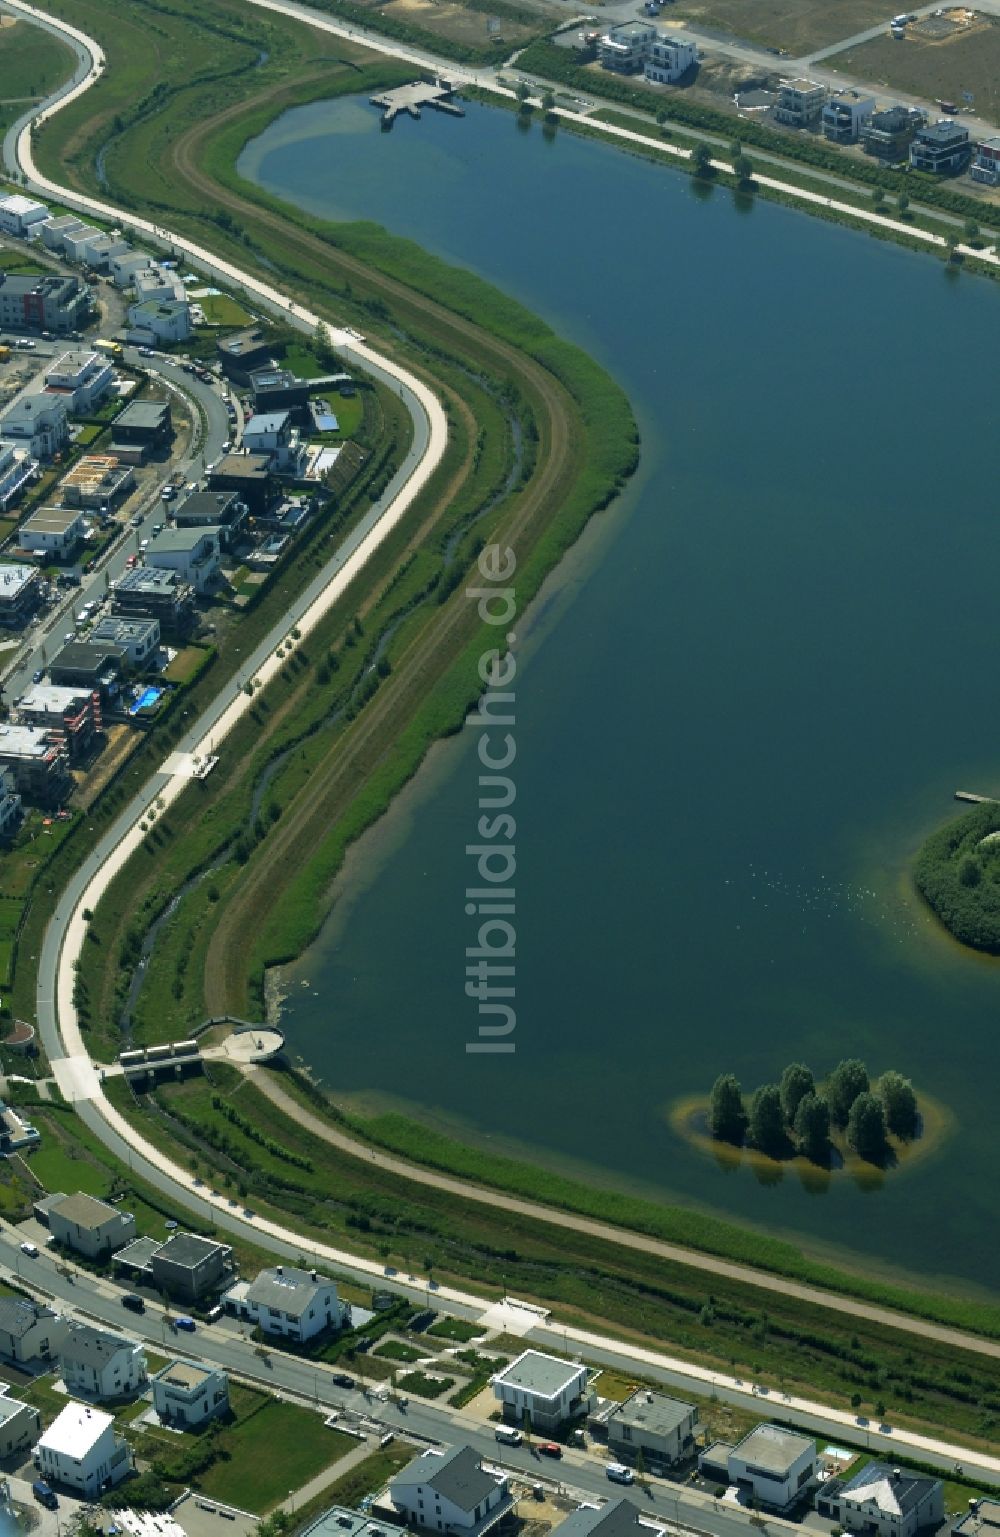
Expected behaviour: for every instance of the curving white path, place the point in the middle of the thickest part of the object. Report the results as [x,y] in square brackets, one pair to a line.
[75,1071]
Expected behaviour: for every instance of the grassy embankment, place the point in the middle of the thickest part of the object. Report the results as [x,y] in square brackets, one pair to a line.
[230,1127]
[957,872]
[32,63]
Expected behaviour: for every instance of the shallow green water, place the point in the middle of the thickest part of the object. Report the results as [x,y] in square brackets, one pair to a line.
[741,708]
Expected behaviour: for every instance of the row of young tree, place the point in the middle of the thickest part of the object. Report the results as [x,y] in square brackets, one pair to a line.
[798,1115]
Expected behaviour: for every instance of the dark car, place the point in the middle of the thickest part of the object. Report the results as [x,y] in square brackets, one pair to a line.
[364,1343]
[133,1302]
[342,1380]
[549,1449]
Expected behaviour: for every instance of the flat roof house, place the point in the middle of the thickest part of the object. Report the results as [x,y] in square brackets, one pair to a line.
[844,116]
[92,666]
[985,165]
[244,352]
[17,470]
[450,1491]
[55,231]
[51,303]
[882,1499]
[81,379]
[80,1449]
[213,509]
[249,475]
[291,1302]
[799,103]
[29,1331]
[888,133]
[101,1363]
[20,1425]
[37,422]
[942,148]
[71,713]
[162,595]
[89,1226]
[624,49]
[20,594]
[192,552]
[187,1395]
[774,1465]
[660,1427]
[20,215]
[142,427]
[38,761]
[159,320]
[56,531]
[96,481]
[138,638]
[276,389]
[545,1388]
[190,1267]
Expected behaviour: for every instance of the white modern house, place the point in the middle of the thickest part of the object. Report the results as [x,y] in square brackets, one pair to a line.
[194,553]
[545,1388]
[187,1395]
[125,265]
[22,215]
[450,1491]
[669,58]
[80,1449]
[17,470]
[77,243]
[625,49]
[159,320]
[884,1500]
[37,422]
[288,1301]
[157,283]
[53,531]
[81,379]
[55,231]
[773,1466]
[845,115]
[20,1424]
[274,433]
[100,1363]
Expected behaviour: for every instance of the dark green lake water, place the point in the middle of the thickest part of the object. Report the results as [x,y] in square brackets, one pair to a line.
[741,706]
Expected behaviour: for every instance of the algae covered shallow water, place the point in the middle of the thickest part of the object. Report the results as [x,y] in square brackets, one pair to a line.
[741,705]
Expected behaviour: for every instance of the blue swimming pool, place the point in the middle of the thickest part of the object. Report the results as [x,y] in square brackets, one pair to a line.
[145,701]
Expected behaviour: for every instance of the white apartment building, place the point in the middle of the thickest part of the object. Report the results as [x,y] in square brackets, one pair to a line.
[17,470]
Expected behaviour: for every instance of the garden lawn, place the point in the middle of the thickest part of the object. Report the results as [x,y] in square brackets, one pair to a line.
[279,1448]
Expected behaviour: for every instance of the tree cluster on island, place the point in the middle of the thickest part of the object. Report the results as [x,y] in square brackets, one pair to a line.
[797,1115]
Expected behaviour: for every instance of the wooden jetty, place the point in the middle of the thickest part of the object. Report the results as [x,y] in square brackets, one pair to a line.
[977,800]
[412,98]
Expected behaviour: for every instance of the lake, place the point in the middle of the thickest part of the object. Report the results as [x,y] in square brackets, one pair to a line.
[751,691]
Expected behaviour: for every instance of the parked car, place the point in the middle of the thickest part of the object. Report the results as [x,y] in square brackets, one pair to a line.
[185,1323]
[31,1249]
[133,1302]
[549,1449]
[44,1494]
[364,1343]
[37,675]
[342,1380]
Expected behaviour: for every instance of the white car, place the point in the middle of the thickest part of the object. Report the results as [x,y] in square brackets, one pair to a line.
[30,1249]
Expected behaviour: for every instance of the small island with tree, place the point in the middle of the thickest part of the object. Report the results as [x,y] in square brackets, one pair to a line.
[957,873]
[798,1117]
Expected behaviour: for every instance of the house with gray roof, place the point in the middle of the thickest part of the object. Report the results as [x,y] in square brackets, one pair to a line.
[662,1428]
[29,1331]
[545,1388]
[91,1227]
[890,1501]
[450,1491]
[616,1518]
[191,1267]
[296,1304]
[100,1363]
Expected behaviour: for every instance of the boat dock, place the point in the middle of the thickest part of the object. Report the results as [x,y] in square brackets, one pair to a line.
[977,800]
[412,98]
